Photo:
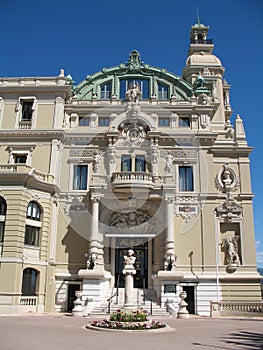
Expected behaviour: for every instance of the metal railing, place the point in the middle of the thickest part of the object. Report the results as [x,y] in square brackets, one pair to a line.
[113,295]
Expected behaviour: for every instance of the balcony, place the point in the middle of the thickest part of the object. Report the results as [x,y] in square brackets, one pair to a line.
[24,175]
[25,169]
[134,179]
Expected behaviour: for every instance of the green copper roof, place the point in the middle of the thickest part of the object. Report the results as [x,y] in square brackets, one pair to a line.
[134,68]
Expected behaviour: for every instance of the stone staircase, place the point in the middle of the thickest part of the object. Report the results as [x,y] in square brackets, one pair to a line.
[152,307]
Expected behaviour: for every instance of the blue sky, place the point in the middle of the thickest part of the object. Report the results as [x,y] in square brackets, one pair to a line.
[83,36]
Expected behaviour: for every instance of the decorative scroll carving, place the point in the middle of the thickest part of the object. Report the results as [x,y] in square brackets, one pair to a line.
[229,209]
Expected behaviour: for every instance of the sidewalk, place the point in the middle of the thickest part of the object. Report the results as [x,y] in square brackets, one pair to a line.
[60,332]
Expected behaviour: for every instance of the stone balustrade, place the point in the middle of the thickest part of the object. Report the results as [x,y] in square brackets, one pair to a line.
[133,178]
[25,169]
[28,301]
[221,309]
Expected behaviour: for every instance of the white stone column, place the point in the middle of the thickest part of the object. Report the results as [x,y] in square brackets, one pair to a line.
[96,244]
[170,256]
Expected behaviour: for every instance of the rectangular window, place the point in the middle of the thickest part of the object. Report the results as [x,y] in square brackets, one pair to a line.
[27,110]
[104,121]
[184,122]
[126,163]
[162,92]
[80,177]
[32,235]
[84,121]
[125,85]
[164,122]
[186,182]
[20,158]
[105,91]
[140,163]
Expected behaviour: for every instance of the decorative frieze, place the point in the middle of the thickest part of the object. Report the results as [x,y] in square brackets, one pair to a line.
[179,154]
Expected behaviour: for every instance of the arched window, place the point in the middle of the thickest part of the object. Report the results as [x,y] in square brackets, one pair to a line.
[33,211]
[29,284]
[2,222]
[33,224]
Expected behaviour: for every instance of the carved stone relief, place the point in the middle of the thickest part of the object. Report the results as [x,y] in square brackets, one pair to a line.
[226,179]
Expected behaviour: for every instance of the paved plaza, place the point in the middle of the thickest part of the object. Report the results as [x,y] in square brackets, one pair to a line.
[61,332]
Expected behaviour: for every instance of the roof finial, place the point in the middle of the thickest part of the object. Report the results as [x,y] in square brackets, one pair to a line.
[197,15]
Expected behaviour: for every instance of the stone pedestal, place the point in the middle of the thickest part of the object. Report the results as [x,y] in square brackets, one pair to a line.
[77,311]
[129,303]
[96,283]
[129,271]
[182,313]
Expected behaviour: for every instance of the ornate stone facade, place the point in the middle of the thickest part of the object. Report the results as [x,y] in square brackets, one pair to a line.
[134,157]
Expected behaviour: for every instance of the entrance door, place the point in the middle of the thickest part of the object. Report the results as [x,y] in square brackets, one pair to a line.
[72,288]
[141,263]
[190,299]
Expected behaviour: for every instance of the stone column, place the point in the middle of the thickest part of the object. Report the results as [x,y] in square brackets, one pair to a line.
[96,245]
[170,257]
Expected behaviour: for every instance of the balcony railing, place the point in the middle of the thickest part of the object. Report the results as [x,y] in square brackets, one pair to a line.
[25,169]
[133,178]
[25,124]
[221,309]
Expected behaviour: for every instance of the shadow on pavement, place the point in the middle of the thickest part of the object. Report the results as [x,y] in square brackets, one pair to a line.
[248,340]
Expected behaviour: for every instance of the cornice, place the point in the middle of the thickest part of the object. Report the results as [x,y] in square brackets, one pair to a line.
[230,149]
[39,135]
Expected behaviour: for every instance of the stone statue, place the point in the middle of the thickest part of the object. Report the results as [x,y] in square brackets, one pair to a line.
[96,161]
[231,247]
[129,271]
[91,260]
[169,162]
[133,94]
[129,260]
[226,178]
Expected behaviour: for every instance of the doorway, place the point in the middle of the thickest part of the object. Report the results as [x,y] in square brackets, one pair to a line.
[141,264]
[72,288]
[190,299]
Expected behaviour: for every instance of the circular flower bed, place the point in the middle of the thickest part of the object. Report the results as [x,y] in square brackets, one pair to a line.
[135,320]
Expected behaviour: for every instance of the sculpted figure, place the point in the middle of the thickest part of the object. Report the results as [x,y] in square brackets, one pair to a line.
[231,246]
[134,94]
[129,260]
[169,162]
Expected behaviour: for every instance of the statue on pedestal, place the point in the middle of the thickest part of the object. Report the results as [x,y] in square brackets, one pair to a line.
[129,271]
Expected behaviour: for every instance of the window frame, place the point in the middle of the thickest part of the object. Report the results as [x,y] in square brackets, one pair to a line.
[33,207]
[183,178]
[86,119]
[32,236]
[104,121]
[163,95]
[144,88]
[182,124]
[22,123]
[30,280]
[106,91]
[162,122]
[78,184]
